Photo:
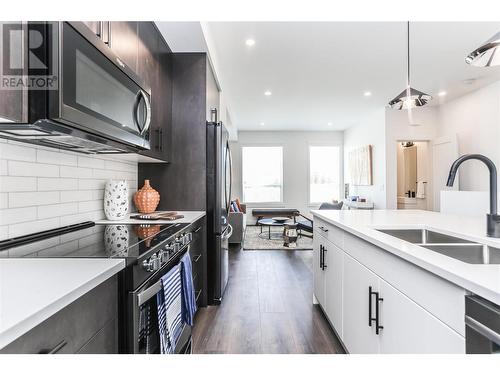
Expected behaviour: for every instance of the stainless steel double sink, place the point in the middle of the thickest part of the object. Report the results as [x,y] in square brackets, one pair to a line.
[454,247]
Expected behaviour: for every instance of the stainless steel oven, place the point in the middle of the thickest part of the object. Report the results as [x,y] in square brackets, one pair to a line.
[97,105]
[142,332]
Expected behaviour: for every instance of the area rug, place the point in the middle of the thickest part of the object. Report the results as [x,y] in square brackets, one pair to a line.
[252,240]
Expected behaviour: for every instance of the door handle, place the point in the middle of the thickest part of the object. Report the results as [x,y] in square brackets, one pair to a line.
[378,299]
[324,263]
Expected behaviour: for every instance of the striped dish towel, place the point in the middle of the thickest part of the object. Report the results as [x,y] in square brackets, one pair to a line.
[169,301]
[188,297]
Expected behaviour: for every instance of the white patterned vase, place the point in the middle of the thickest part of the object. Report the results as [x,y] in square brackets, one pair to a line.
[116,200]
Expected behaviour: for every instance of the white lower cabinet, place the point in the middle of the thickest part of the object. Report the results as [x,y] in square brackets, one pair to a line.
[403,326]
[318,272]
[371,314]
[408,328]
[334,260]
[359,336]
[328,273]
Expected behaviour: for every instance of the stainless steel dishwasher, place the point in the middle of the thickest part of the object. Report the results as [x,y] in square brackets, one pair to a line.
[482,326]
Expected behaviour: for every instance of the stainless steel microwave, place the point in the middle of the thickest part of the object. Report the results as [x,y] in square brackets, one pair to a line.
[69,90]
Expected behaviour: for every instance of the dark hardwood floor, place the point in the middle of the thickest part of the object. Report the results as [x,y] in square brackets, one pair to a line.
[267,308]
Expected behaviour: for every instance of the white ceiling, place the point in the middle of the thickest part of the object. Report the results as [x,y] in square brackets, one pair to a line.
[318,71]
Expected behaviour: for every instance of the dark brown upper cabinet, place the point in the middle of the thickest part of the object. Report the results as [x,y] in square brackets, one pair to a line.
[124,41]
[154,66]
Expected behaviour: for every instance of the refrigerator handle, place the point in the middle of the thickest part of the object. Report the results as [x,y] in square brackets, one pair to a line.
[230,176]
[213,115]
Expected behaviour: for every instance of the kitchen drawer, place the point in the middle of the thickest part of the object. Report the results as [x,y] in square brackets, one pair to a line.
[441,298]
[105,341]
[74,325]
[332,233]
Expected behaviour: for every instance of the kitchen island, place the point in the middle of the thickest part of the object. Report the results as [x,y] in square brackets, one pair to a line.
[383,294]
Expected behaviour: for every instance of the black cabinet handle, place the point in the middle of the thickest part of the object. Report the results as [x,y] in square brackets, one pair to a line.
[323,229]
[378,327]
[321,256]
[370,319]
[161,139]
[324,263]
[55,349]
[378,299]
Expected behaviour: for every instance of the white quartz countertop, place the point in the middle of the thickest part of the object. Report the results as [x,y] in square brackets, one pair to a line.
[189,217]
[481,279]
[32,290]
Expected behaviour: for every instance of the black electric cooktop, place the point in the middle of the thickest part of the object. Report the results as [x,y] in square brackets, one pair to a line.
[90,240]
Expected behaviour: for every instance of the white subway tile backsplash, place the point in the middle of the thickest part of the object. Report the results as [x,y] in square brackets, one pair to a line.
[55,157]
[77,196]
[3,168]
[33,199]
[79,218]
[117,166]
[91,184]
[4,233]
[43,188]
[21,168]
[57,184]
[90,206]
[32,227]
[4,200]
[56,210]
[9,183]
[12,151]
[89,162]
[17,215]
[76,172]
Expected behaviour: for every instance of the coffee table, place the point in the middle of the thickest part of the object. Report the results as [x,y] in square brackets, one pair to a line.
[272,223]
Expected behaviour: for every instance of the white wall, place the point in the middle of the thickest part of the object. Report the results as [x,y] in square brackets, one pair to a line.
[295,163]
[43,188]
[371,132]
[475,118]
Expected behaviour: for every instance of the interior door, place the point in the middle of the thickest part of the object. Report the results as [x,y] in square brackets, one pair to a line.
[358,336]
[444,153]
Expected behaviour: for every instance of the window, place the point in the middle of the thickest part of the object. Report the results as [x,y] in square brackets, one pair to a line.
[262,174]
[324,174]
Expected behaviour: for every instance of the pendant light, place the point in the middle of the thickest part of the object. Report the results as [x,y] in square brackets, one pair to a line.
[409,97]
[486,55]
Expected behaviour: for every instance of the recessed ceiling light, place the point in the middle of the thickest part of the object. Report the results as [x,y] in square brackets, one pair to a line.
[267,93]
[367,93]
[262,124]
[329,124]
[442,93]
[249,42]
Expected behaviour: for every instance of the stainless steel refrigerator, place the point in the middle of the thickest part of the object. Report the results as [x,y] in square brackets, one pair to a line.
[218,203]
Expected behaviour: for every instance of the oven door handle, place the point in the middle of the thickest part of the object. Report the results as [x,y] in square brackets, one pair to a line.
[149,293]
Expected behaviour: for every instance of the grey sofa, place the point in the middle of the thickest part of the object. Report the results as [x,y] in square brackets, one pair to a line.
[238,220]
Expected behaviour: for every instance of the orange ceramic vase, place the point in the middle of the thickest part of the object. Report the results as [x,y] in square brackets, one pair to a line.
[146,199]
